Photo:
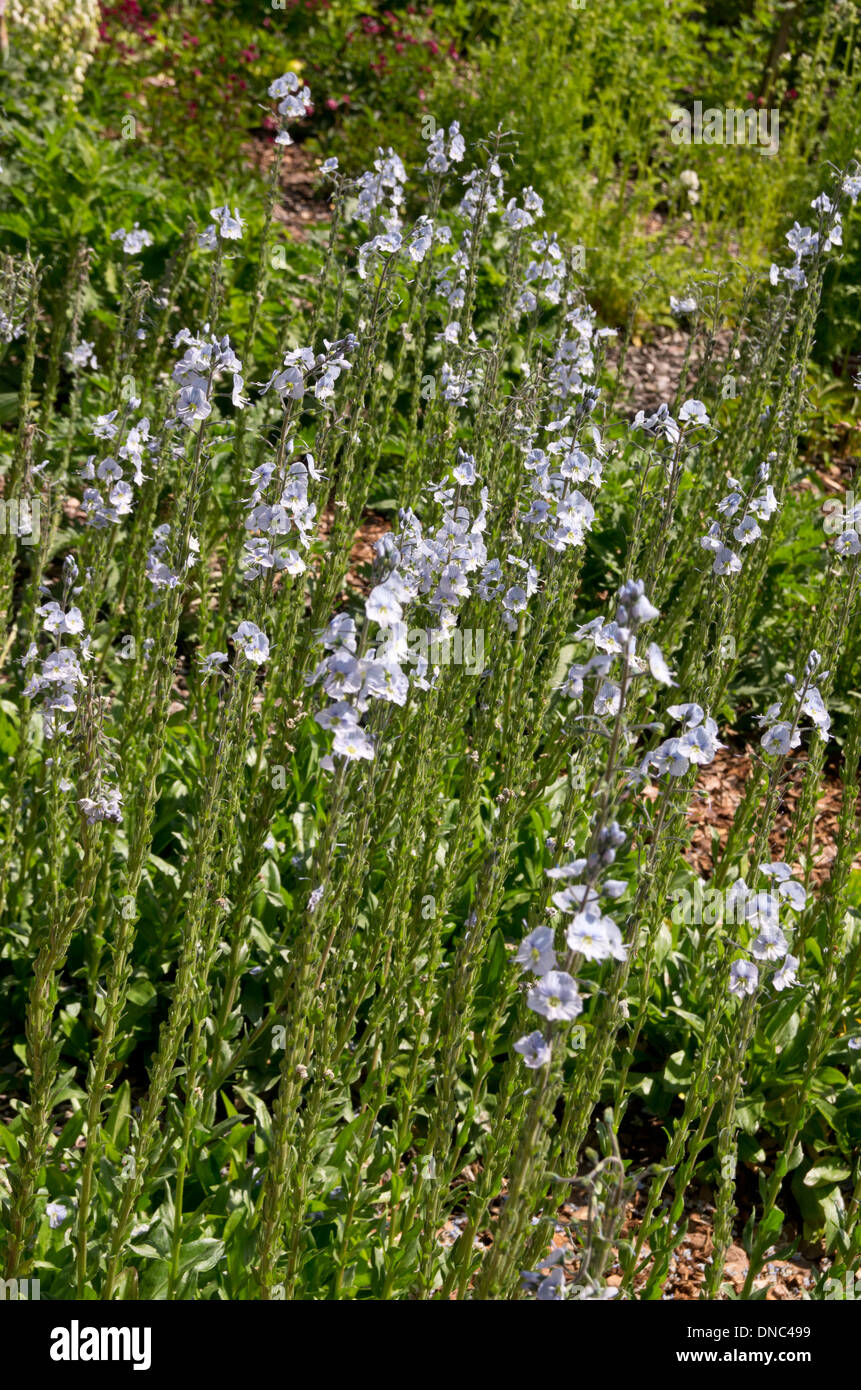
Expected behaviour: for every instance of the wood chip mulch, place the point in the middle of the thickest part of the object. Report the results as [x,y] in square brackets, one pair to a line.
[718,792]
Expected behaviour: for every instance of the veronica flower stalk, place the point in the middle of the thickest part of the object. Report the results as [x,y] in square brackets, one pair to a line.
[293,1066]
[424,233]
[707,669]
[826,1011]
[15,851]
[23,450]
[307,970]
[210,905]
[194,951]
[780,737]
[700,1101]
[43,1048]
[448,1030]
[142,809]
[815,247]
[289,95]
[333,909]
[61,310]
[497,1165]
[838,603]
[338,1008]
[691,416]
[642,920]
[284,616]
[263,801]
[158,342]
[605,836]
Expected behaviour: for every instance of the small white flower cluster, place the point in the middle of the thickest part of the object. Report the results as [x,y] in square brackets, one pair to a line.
[761,911]
[135,241]
[353,681]
[302,366]
[804,242]
[681,308]
[484,188]
[387,243]
[252,642]
[695,747]
[745,513]
[848,542]
[120,497]
[204,358]
[106,805]
[573,358]
[517,219]
[434,569]
[226,226]
[158,571]
[559,512]
[440,158]
[612,640]
[781,735]
[693,415]
[81,357]
[61,671]
[384,183]
[9,329]
[547,273]
[591,935]
[293,104]
[291,512]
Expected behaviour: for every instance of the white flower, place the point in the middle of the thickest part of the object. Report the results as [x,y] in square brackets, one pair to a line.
[134,241]
[848,543]
[213,661]
[534,1050]
[780,738]
[770,944]
[59,622]
[339,715]
[595,937]
[536,951]
[786,976]
[658,666]
[283,86]
[747,531]
[352,742]
[726,561]
[82,356]
[694,413]
[383,607]
[556,996]
[744,977]
[56,1213]
[253,643]
[681,307]
[514,599]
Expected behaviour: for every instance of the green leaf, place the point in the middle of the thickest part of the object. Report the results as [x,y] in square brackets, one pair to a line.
[117,1123]
[822,1174]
